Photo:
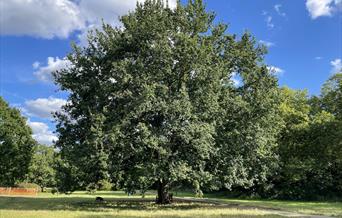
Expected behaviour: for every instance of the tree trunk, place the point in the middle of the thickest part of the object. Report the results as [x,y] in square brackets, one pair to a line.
[163,193]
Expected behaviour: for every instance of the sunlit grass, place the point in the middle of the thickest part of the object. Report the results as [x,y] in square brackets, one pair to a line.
[307,207]
[212,213]
[119,204]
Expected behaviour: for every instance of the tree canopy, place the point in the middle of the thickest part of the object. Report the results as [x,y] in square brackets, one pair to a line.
[310,146]
[42,167]
[154,103]
[16,145]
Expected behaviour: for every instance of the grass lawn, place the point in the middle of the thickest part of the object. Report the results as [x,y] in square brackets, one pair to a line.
[306,207]
[327,208]
[118,204]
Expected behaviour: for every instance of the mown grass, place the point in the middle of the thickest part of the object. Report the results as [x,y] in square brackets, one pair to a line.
[205,213]
[118,204]
[314,208]
[327,208]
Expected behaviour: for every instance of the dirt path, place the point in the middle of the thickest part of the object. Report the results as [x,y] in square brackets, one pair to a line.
[239,206]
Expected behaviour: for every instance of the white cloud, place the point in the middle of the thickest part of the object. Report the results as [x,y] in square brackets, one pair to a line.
[268,19]
[59,18]
[44,73]
[278,10]
[318,8]
[109,10]
[276,70]
[41,133]
[35,65]
[93,11]
[318,58]
[43,107]
[267,43]
[336,66]
[269,22]
[40,18]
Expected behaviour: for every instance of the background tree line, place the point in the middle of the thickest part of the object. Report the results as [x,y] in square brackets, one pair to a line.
[23,162]
[153,105]
[309,146]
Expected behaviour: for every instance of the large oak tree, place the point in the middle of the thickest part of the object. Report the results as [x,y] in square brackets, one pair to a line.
[154,103]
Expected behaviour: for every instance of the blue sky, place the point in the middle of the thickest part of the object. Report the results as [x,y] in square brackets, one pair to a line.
[304,38]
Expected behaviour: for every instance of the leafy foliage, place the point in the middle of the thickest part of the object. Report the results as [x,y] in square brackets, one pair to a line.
[332,95]
[310,147]
[154,103]
[16,145]
[42,170]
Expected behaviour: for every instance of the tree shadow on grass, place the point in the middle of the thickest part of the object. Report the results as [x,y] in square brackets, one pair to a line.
[113,193]
[89,204]
[69,203]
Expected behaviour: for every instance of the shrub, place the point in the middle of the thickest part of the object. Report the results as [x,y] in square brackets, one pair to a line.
[91,188]
[105,185]
[54,191]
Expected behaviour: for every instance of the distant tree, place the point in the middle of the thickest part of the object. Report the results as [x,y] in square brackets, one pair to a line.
[16,145]
[332,95]
[42,169]
[295,112]
[154,103]
[310,149]
[331,134]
